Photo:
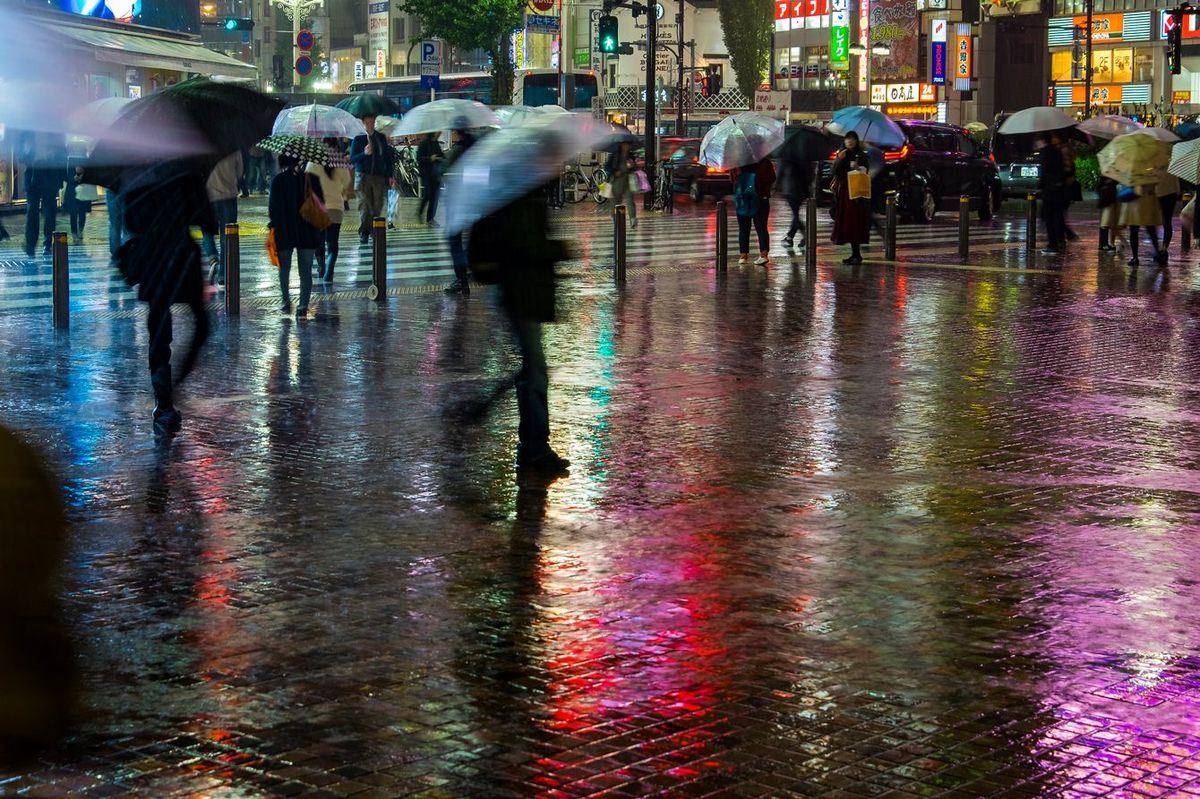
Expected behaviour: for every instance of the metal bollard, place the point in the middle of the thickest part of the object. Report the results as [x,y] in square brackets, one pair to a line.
[1185,233]
[1031,224]
[378,289]
[231,248]
[810,232]
[722,237]
[964,226]
[619,215]
[889,230]
[60,282]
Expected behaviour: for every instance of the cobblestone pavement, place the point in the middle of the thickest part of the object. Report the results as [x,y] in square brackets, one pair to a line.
[912,530]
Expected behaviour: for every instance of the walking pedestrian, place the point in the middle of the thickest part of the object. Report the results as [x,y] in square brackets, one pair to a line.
[1073,191]
[1052,180]
[1142,211]
[430,158]
[1111,232]
[620,171]
[222,191]
[45,159]
[461,140]
[851,217]
[243,178]
[163,261]
[1167,192]
[337,186]
[375,161]
[293,233]
[752,202]
[5,196]
[797,186]
[116,221]
[513,240]
[77,202]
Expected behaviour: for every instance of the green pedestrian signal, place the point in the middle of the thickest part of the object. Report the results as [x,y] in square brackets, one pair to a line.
[238,24]
[610,35]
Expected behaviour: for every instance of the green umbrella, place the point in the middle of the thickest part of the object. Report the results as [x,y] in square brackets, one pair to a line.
[1134,159]
[369,105]
[302,148]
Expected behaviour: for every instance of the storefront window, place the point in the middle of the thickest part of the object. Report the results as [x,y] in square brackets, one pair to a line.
[1061,66]
[781,69]
[798,68]
[1143,65]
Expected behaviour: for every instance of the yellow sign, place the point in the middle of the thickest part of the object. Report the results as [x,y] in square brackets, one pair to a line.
[1181,97]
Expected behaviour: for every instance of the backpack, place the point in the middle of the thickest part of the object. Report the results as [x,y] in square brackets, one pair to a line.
[745,195]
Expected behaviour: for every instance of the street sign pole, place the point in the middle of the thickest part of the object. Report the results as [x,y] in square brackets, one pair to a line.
[651,101]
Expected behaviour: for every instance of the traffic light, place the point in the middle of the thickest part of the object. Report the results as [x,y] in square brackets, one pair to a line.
[238,24]
[610,35]
[1175,43]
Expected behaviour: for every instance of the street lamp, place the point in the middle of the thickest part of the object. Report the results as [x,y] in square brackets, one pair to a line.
[297,11]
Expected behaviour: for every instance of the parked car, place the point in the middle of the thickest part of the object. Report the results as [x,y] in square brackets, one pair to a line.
[936,165]
[1017,160]
[691,177]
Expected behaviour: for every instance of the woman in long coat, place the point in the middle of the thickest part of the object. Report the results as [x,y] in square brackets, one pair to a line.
[851,218]
[1143,211]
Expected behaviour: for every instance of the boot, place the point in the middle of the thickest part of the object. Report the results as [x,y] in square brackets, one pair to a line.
[167,419]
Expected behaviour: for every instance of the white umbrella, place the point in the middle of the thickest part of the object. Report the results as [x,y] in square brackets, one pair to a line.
[1185,161]
[1036,120]
[1161,134]
[1109,126]
[741,140]
[318,121]
[451,114]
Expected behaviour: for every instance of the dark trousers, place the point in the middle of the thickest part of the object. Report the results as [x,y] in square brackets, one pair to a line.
[795,203]
[41,202]
[116,219]
[327,253]
[458,254]
[429,198]
[1151,231]
[533,385]
[760,226]
[226,212]
[159,326]
[1054,214]
[78,216]
[1167,204]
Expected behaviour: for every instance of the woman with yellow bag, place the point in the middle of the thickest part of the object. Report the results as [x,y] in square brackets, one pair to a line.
[851,198]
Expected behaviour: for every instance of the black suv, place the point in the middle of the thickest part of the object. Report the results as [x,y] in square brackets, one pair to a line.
[691,177]
[936,165]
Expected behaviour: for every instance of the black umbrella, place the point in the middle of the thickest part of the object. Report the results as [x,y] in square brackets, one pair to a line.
[807,143]
[369,105]
[211,119]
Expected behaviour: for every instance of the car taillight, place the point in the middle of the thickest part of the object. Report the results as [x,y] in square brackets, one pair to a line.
[833,155]
[898,155]
[992,157]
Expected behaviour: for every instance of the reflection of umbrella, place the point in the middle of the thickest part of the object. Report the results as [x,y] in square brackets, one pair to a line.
[1036,120]
[369,105]
[220,118]
[1109,126]
[514,161]
[1185,161]
[1134,159]
[302,148]
[807,143]
[870,125]
[451,114]
[741,140]
[1159,134]
[321,121]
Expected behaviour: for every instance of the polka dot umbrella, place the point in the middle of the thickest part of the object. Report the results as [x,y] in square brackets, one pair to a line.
[302,148]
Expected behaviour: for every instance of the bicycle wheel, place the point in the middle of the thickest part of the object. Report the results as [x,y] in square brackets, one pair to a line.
[598,176]
[574,187]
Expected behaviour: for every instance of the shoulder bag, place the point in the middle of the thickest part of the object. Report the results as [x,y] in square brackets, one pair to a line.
[313,211]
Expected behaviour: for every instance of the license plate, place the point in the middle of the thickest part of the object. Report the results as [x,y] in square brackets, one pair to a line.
[1029,171]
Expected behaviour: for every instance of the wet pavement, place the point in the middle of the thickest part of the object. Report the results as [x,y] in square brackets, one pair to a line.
[907,530]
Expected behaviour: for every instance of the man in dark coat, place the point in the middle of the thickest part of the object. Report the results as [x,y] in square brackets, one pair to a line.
[1052,180]
[797,185]
[375,161]
[429,163]
[45,158]
[163,261]
[461,141]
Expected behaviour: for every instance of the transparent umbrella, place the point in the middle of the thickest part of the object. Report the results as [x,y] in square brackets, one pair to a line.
[1109,126]
[1134,159]
[1036,120]
[319,121]
[450,114]
[741,140]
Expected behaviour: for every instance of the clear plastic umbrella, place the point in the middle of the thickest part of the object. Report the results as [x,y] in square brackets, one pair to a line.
[319,121]
[1159,134]
[1036,120]
[871,126]
[1109,126]
[1134,159]
[741,140]
[450,114]
[514,161]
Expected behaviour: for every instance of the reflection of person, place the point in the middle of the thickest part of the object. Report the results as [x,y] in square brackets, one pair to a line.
[45,159]
[429,164]
[851,218]
[222,190]
[375,161]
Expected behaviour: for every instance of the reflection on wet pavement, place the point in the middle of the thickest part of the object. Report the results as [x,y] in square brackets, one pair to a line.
[872,531]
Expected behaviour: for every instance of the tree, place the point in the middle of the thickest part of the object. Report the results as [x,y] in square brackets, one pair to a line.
[483,24]
[747,26]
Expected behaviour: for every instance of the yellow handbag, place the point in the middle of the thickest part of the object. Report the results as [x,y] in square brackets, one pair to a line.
[858,185]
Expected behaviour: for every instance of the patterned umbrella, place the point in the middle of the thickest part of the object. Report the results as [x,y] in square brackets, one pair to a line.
[1185,161]
[302,148]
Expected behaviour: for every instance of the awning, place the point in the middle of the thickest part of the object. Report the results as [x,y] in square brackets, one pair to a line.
[134,49]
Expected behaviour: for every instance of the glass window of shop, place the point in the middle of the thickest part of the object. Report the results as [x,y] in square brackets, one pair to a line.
[779,81]
[1070,8]
[816,70]
[1109,65]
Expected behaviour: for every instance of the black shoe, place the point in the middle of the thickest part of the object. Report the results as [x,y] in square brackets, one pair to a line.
[363,241]
[1107,248]
[457,287]
[1050,251]
[848,261]
[1072,235]
[1161,258]
[547,463]
[4,236]
[286,307]
[167,420]
[46,251]
[787,242]
[1133,261]
[302,311]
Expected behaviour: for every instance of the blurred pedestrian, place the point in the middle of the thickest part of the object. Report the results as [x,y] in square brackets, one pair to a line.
[337,186]
[1142,211]
[851,217]
[222,191]
[256,171]
[1073,192]
[461,140]
[5,196]
[430,158]
[1052,181]
[77,202]
[162,260]
[1111,232]
[1167,192]
[621,169]
[116,221]
[45,159]
[243,178]
[797,186]
[752,202]
[375,161]
[293,233]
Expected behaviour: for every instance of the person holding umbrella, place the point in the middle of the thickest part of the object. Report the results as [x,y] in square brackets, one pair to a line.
[375,161]
[461,141]
[851,216]
[797,185]
[222,190]
[1052,180]
[290,190]
[337,185]
[1167,192]
[620,171]
[430,158]
[45,159]
[752,186]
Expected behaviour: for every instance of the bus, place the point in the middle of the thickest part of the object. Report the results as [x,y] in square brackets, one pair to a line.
[532,87]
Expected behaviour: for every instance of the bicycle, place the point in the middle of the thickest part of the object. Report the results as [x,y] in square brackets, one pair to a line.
[578,184]
[663,190]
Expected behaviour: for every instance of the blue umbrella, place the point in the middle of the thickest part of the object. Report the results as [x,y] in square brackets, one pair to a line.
[1188,130]
[872,126]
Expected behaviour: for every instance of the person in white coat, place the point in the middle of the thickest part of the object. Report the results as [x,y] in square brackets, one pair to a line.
[337,186]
